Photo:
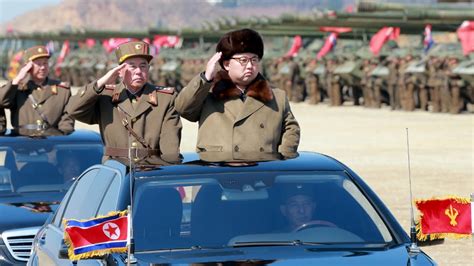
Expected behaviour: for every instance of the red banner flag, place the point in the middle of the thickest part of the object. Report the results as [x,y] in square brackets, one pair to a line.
[62,55]
[466,36]
[381,37]
[329,44]
[295,47]
[170,41]
[444,217]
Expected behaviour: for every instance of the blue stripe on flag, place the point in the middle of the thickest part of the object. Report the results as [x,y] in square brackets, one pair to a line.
[91,222]
[120,244]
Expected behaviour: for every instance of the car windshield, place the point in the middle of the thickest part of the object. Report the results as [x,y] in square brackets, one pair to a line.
[254,209]
[42,165]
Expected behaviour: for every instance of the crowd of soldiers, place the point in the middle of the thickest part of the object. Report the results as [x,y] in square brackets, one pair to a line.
[404,82]
[401,81]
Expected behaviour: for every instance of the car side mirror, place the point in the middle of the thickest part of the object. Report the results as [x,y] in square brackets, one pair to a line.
[63,251]
[430,242]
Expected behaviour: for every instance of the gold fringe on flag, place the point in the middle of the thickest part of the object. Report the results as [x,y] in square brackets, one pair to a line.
[95,253]
[426,237]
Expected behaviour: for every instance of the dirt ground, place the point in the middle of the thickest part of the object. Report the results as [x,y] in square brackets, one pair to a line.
[373,142]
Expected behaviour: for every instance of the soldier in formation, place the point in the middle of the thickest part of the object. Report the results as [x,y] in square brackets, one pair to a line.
[37,103]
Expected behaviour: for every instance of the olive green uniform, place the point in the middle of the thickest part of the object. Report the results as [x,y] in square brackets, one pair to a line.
[152,117]
[44,109]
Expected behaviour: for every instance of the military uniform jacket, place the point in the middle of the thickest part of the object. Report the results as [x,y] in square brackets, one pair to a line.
[154,117]
[51,99]
[262,123]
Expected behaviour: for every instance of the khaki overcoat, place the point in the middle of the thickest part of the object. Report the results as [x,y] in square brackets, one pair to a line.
[153,118]
[51,100]
[263,122]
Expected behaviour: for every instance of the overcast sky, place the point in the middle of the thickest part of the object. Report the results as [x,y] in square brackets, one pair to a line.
[12,8]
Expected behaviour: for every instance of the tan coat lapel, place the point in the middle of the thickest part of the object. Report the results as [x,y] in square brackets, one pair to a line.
[143,102]
[251,105]
[234,106]
[122,101]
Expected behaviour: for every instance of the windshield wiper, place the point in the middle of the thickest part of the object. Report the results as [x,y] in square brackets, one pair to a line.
[295,242]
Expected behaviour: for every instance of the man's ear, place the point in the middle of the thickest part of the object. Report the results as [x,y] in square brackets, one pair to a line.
[226,64]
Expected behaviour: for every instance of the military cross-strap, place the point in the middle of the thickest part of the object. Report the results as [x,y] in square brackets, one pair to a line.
[36,106]
[130,130]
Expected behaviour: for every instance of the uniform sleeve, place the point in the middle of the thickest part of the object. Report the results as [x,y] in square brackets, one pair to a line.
[170,137]
[7,95]
[291,131]
[66,123]
[83,106]
[191,98]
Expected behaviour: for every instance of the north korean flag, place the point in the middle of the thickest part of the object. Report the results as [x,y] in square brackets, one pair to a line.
[329,44]
[428,42]
[97,236]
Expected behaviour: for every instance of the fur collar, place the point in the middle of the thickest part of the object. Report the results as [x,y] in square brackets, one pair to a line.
[223,88]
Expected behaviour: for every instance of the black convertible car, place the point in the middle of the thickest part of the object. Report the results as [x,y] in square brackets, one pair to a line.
[306,210]
[35,173]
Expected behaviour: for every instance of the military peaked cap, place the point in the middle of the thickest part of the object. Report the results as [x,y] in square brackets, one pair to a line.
[36,52]
[133,49]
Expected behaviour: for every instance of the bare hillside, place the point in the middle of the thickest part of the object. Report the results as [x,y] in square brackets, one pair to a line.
[133,14]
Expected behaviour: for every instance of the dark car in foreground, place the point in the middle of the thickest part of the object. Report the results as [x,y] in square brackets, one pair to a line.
[35,174]
[236,213]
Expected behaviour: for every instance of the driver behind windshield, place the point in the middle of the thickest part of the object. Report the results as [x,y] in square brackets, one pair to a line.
[297,206]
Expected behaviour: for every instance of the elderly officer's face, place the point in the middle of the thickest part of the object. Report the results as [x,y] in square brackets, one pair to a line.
[243,68]
[298,210]
[40,69]
[135,74]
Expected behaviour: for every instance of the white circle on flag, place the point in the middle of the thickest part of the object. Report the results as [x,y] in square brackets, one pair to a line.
[111,230]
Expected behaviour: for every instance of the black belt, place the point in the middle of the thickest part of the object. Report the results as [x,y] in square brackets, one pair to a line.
[135,153]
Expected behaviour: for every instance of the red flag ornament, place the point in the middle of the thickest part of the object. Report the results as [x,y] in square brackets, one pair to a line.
[446,217]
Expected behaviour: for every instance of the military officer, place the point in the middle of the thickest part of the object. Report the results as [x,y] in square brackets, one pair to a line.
[237,109]
[134,113]
[37,102]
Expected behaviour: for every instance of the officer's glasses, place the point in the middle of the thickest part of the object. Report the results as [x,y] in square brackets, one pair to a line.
[243,61]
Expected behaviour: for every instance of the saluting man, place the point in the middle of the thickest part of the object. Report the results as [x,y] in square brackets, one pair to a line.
[134,113]
[37,102]
[237,109]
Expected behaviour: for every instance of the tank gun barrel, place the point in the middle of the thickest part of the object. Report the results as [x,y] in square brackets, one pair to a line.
[368,6]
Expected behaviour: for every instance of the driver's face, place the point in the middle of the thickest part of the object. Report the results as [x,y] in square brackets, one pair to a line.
[298,210]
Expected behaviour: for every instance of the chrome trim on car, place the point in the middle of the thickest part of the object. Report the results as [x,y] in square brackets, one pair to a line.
[20,241]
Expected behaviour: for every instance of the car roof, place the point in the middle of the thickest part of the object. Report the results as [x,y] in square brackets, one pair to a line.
[81,135]
[192,164]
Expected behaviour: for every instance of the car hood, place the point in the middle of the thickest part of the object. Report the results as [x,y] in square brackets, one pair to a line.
[282,256]
[25,214]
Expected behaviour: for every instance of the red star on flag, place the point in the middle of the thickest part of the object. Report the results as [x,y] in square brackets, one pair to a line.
[110,230]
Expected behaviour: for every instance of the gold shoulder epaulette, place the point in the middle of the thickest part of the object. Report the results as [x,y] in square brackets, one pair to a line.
[167,90]
[64,85]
